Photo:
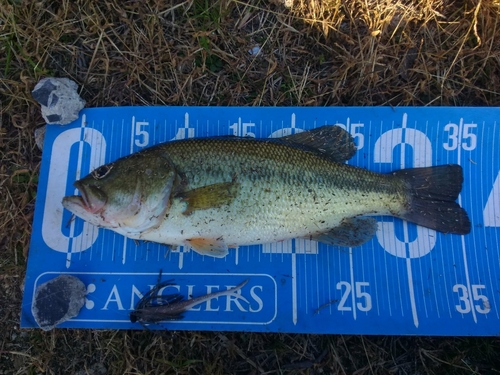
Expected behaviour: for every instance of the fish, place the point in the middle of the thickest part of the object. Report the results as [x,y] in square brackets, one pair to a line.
[216,193]
[172,306]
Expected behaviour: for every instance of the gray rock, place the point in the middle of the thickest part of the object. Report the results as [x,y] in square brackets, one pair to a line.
[40,136]
[58,300]
[59,99]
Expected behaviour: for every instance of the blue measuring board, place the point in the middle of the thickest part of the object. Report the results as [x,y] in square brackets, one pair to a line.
[406,280]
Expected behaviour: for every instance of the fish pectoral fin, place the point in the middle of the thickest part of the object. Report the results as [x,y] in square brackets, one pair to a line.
[210,196]
[216,248]
[330,141]
[351,232]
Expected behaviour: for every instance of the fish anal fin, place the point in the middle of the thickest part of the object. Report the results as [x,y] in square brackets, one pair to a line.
[352,232]
[330,141]
[210,196]
[209,246]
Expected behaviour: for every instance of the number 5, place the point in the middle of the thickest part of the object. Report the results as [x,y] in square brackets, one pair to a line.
[361,294]
[469,135]
[483,307]
[140,132]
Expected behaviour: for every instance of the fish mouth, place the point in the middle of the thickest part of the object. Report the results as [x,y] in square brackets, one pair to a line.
[92,199]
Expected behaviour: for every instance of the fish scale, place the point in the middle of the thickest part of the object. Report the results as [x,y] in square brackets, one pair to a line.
[293,193]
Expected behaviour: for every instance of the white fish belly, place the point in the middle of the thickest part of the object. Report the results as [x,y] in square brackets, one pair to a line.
[269,214]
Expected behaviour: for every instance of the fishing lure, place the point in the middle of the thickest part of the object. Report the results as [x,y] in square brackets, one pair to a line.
[153,308]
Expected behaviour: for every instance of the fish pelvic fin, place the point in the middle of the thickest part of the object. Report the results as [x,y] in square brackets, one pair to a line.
[216,248]
[352,232]
[210,196]
[432,192]
[332,142]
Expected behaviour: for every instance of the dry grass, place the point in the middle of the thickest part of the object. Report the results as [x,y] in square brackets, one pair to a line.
[317,53]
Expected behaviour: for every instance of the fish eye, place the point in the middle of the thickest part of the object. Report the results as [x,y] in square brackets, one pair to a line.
[102,171]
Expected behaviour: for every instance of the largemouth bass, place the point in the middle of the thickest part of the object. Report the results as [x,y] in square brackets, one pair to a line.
[172,306]
[211,194]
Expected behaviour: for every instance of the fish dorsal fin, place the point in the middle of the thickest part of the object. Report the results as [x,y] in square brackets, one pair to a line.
[331,141]
[352,232]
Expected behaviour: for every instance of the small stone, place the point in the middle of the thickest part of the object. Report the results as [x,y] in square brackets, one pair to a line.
[59,99]
[254,50]
[58,300]
[40,136]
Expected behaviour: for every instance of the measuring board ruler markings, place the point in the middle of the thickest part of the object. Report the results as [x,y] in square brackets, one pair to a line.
[406,280]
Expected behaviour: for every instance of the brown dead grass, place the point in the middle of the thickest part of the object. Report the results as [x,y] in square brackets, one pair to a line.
[195,52]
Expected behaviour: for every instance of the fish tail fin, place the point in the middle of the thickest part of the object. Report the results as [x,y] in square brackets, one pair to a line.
[432,193]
